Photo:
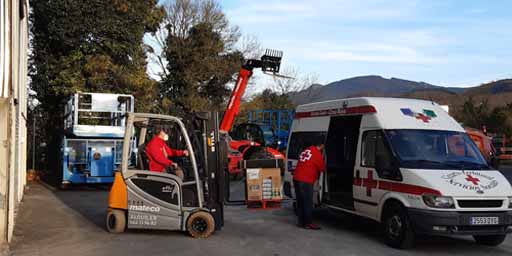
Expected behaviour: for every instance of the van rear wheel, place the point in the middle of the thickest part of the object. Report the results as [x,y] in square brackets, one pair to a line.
[116,221]
[200,224]
[396,227]
[492,240]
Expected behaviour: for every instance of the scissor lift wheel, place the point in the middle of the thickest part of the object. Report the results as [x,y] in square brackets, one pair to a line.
[116,221]
[200,224]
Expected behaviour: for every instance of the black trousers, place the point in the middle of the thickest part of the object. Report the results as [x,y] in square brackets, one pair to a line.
[304,199]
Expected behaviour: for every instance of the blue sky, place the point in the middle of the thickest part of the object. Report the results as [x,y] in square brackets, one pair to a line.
[447,43]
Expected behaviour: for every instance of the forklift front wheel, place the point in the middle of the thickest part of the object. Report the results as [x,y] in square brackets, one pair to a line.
[116,221]
[200,224]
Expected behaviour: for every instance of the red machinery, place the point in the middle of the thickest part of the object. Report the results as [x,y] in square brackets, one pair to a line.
[269,63]
[483,142]
[503,145]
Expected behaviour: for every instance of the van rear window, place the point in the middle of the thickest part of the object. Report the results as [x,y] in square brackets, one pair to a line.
[301,140]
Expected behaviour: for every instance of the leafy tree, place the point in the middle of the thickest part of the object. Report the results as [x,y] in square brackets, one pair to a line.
[268,99]
[92,46]
[500,120]
[474,115]
[273,100]
[198,59]
[497,120]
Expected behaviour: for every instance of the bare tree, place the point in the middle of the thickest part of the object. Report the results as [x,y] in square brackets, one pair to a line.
[250,47]
[293,81]
[181,16]
[296,85]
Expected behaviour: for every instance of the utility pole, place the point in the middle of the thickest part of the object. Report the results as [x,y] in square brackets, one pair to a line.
[33,141]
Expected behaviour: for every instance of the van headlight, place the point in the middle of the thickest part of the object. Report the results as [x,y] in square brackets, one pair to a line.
[435,201]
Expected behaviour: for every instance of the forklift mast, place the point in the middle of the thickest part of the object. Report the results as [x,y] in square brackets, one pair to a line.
[213,155]
[270,62]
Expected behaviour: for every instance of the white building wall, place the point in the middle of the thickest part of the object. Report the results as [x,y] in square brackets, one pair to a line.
[4,116]
[13,110]
[4,156]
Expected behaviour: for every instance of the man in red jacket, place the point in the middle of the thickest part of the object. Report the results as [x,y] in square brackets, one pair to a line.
[310,165]
[158,153]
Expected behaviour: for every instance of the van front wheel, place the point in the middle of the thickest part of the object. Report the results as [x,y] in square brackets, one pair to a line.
[492,240]
[396,227]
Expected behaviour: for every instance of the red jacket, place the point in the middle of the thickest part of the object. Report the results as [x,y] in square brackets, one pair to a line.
[158,154]
[310,165]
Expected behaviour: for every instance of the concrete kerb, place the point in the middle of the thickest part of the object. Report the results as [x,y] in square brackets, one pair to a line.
[46,185]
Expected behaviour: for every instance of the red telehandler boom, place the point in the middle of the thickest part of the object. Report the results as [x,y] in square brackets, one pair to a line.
[269,63]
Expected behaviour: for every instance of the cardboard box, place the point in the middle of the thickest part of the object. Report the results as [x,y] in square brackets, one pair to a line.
[253,182]
[263,184]
[272,176]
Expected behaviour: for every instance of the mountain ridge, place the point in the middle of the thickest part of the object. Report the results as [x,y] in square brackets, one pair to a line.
[370,85]
[374,85]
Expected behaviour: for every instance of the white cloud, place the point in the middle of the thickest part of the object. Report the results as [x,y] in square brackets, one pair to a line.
[353,42]
[362,52]
[280,7]
[477,10]
[267,11]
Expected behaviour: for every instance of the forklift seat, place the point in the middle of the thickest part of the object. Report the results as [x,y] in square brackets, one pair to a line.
[142,164]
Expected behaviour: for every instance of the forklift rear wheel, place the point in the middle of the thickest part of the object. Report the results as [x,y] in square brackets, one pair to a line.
[200,224]
[116,221]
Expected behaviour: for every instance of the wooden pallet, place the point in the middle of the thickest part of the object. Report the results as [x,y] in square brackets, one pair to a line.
[264,204]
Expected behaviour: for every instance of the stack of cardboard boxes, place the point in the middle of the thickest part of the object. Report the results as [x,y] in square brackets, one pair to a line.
[263,184]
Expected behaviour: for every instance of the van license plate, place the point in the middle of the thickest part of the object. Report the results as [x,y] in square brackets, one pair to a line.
[485,220]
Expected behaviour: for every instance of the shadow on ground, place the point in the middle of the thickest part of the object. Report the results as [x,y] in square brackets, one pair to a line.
[89,201]
[56,222]
[369,230]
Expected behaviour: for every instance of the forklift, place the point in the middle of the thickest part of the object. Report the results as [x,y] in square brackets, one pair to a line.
[142,199]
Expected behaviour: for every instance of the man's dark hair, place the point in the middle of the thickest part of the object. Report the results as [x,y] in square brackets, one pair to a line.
[319,140]
[158,129]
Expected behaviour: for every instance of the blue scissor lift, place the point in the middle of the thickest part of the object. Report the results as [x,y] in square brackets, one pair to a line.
[93,137]
[278,121]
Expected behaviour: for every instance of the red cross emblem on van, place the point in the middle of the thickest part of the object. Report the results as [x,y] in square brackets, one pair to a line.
[425,116]
[472,179]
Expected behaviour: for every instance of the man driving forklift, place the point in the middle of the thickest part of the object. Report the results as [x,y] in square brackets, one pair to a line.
[143,199]
[158,153]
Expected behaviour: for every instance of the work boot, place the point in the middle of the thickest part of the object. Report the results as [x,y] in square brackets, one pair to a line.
[312,226]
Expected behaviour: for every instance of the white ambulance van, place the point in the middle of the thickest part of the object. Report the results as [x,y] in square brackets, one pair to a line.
[406,164]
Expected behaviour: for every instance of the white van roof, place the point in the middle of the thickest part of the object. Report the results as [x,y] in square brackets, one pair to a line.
[385,113]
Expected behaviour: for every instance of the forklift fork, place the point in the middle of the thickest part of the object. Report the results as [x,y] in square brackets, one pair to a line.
[271,61]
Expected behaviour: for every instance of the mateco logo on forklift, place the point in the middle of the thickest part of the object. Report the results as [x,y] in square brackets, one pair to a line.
[143,208]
